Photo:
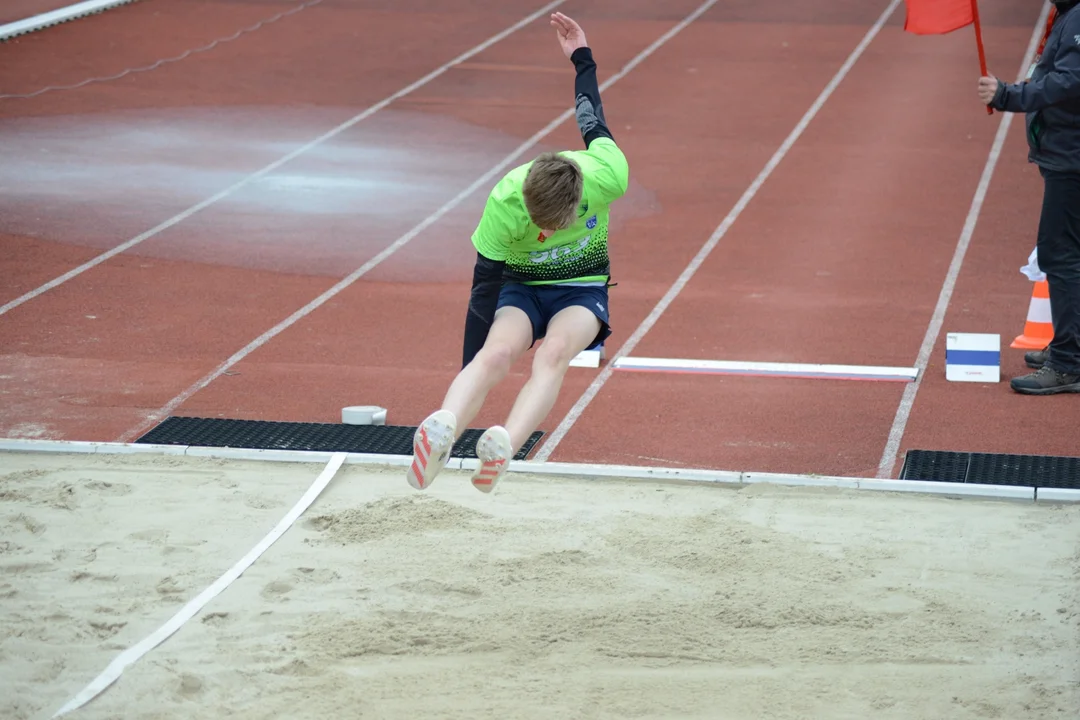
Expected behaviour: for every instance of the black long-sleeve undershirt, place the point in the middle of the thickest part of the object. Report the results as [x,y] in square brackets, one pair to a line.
[588,108]
[487,273]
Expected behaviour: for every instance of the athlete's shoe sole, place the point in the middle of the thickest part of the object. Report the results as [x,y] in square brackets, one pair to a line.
[494,451]
[432,443]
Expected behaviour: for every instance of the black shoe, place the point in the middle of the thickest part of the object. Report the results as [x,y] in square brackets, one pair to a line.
[1036,358]
[1047,381]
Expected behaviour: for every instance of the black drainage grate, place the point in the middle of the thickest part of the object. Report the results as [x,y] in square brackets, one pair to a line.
[935,466]
[992,469]
[315,437]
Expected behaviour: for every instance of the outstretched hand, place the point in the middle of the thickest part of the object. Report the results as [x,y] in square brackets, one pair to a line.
[571,36]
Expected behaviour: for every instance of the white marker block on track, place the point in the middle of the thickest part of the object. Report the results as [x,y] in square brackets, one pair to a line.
[589,358]
[973,357]
[363,415]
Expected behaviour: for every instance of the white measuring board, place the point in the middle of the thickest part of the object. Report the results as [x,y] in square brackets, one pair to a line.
[973,357]
[768,369]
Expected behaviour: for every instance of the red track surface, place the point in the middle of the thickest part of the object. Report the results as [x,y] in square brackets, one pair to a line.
[840,258]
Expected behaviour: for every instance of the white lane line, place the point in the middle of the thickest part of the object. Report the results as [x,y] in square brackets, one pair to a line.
[180,217]
[903,412]
[480,182]
[130,656]
[165,61]
[590,393]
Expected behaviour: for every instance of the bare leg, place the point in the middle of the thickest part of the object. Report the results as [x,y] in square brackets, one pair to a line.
[569,332]
[510,336]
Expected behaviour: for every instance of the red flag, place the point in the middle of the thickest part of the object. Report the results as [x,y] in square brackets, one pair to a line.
[938,17]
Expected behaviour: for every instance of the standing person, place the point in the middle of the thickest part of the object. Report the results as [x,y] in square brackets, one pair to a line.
[542,271]
[1051,100]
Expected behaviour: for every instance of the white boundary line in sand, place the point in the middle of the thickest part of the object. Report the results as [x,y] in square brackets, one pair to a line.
[128,657]
[60,15]
[194,209]
[586,471]
[575,412]
[427,222]
[907,401]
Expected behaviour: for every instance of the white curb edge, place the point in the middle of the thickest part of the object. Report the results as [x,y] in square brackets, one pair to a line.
[586,471]
[56,17]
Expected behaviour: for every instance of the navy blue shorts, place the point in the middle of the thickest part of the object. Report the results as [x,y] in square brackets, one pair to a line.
[542,302]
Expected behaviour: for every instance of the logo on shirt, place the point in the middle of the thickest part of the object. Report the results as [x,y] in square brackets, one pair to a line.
[591,222]
[560,255]
[1077,39]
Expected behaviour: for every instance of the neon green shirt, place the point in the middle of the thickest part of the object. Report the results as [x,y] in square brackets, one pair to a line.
[575,256]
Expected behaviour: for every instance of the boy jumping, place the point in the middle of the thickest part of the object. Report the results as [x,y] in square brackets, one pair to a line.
[542,271]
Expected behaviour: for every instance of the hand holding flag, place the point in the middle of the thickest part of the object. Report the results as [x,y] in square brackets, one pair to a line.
[988,87]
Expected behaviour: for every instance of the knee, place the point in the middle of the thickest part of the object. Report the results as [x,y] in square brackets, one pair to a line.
[554,355]
[495,359]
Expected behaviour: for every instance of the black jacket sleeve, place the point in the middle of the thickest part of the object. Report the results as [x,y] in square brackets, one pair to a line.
[589,109]
[1060,84]
[483,301]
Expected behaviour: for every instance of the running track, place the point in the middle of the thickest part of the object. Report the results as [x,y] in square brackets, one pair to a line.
[839,256]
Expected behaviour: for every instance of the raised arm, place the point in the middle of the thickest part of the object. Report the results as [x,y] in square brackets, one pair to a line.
[590,111]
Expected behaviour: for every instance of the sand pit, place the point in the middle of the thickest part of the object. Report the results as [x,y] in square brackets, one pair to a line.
[554,598]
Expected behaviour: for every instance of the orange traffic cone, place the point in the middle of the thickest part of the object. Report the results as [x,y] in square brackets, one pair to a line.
[1039,328]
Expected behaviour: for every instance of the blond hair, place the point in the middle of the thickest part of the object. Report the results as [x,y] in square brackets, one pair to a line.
[552,191]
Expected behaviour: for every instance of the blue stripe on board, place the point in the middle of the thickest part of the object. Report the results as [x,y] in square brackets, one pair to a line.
[973,357]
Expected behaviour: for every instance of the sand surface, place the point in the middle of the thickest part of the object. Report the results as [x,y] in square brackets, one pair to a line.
[553,598]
